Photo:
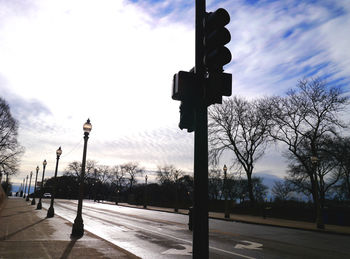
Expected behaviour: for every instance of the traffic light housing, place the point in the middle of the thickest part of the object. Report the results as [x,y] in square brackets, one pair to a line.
[216,55]
[184,90]
[218,85]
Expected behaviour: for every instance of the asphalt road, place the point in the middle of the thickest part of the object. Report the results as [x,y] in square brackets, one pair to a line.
[153,234]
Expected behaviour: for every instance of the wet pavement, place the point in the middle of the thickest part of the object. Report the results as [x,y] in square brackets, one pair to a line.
[26,233]
[121,233]
[293,224]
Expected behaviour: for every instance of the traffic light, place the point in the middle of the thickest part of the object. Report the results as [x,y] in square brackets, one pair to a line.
[218,85]
[187,116]
[215,37]
[183,90]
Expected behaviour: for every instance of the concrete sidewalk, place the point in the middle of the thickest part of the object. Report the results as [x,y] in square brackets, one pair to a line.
[26,233]
[334,229]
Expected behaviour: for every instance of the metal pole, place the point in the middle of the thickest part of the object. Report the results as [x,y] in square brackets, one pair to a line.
[78,226]
[25,190]
[39,206]
[200,212]
[51,211]
[30,181]
[145,201]
[36,178]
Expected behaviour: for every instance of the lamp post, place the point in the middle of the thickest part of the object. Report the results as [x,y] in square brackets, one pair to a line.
[51,211]
[21,194]
[145,201]
[25,190]
[36,178]
[39,206]
[78,226]
[30,181]
[319,219]
[227,213]
[176,209]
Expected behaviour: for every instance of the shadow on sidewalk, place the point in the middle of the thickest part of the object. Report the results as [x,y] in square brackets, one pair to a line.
[17,213]
[69,248]
[3,238]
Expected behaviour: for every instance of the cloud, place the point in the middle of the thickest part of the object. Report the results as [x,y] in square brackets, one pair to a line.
[113,62]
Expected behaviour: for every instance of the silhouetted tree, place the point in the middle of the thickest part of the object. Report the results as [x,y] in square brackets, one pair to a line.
[281,190]
[10,149]
[303,118]
[240,126]
[131,169]
[74,169]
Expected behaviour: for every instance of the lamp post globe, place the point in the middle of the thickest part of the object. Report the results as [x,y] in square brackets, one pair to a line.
[51,211]
[78,226]
[39,206]
[36,178]
[227,213]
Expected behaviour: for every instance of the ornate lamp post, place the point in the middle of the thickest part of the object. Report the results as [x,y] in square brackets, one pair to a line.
[176,209]
[21,194]
[319,219]
[25,190]
[39,206]
[51,211]
[145,202]
[78,226]
[36,178]
[227,213]
[30,181]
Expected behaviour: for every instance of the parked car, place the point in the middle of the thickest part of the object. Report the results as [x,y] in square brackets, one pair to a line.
[47,195]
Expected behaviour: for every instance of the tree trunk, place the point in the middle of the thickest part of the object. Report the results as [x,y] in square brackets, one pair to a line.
[250,189]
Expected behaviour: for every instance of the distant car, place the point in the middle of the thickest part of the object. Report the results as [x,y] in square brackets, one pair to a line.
[47,195]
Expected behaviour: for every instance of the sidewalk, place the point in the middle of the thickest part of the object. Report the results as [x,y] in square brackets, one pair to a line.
[334,229]
[26,233]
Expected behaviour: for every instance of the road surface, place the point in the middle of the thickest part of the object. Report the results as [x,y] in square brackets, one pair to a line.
[154,234]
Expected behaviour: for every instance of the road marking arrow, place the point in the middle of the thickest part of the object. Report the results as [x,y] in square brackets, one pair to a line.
[186,250]
[250,245]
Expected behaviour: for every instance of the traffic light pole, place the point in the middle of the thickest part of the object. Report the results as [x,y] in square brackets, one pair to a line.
[200,208]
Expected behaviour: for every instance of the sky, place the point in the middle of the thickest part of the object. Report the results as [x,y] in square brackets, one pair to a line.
[62,62]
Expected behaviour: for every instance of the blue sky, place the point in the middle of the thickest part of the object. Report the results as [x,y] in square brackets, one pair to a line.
[62,62]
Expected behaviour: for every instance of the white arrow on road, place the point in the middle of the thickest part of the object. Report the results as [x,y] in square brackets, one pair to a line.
[250,245]
[187,250]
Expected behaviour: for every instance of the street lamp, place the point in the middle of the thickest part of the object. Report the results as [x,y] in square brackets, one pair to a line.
[227,213]
[36,178]
[176,209]
[21,194]
[39,206]
[30,181]
[78,226]
[145,202]
[319,219]
[25,190]
[51,211]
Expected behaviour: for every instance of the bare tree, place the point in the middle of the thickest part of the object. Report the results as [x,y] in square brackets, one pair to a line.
[131,169]
[339,151]
[118,177]
[10,149]
[215,184]
[168,174]
[303,118]
[240,126]
[282,190]
[74,169]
